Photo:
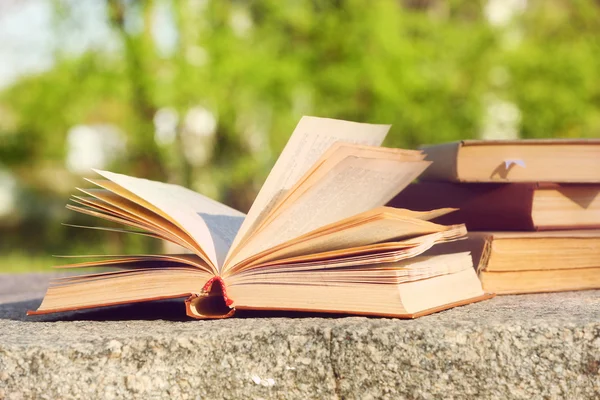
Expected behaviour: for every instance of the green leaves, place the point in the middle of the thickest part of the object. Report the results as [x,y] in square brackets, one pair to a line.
[258,66]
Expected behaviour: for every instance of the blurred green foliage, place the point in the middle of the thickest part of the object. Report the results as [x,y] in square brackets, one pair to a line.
[425,66]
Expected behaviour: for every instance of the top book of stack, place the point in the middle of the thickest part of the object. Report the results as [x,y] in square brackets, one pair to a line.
[535,160]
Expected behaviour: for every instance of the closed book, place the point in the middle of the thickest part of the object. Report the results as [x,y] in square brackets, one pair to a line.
[507,206]
[533,160]
[532,262]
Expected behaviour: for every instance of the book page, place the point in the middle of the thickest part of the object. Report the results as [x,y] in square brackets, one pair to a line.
[414,268]
[210,224]
[355,185]
[138,261]
[368,232]
[106,201]
[336,154]
[312,137]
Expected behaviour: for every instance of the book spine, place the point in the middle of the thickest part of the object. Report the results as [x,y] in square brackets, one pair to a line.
[208,287]
[212,303]
[482,206]
[482,251]
[444,158]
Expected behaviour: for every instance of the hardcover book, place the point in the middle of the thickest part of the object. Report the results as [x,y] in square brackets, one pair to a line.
[519,206]
[317,238]
[533,160]
[532,262]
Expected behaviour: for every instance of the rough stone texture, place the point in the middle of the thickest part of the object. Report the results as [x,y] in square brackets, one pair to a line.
[543,346]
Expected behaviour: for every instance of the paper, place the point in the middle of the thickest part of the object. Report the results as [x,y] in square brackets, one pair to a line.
[353,186]
[199,216]
[312,137]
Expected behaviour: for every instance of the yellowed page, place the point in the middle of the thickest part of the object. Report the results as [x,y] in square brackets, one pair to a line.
[356,257]
[353,186]
[128,231]
[210,224]
[138,261]
[347,233]
[106,201]
[111,212]
[312,137]
[375,250]
[371,231]
[362,218]
[420,267]
[342,262]
[337,153]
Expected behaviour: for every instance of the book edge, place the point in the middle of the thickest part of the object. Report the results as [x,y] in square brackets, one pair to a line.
[432,310]
[525,142]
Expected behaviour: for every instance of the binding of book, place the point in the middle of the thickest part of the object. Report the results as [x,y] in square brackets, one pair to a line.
[317,238]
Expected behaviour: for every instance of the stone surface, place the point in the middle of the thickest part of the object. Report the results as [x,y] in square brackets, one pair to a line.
[543,346]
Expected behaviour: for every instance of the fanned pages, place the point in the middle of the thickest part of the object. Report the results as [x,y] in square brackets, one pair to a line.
[317,238]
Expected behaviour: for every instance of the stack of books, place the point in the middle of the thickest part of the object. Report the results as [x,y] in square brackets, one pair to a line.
[532,209]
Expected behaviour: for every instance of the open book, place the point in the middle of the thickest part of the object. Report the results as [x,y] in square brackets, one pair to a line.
[317,238]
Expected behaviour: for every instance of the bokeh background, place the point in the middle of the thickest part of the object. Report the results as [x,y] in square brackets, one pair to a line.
[205,93]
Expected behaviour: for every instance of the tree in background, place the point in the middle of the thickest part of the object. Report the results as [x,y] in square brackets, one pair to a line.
[212,109]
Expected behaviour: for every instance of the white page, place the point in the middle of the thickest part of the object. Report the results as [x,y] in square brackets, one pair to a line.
[312,137]
[209,223]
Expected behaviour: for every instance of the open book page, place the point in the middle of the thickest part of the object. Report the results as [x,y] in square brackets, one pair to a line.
[311,138]
[373,228]
[116,208]
[414,268]
[337,153]
[353,186]
[367,255]
[358,260]
[211,225]
[138,261]
[128,231]
[384,249]
[144,229]
[108,202]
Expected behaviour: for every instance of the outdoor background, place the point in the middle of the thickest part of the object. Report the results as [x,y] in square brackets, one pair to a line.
[205,93]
